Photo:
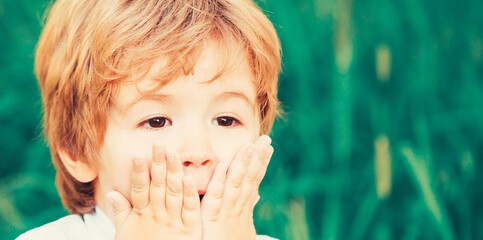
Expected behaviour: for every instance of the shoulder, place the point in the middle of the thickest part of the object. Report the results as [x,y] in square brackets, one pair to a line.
[264,237]
[68,227]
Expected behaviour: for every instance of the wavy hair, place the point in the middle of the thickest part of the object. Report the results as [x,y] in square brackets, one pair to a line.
[87,47]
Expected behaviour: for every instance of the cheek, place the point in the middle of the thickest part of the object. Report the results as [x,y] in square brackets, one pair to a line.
[226,147]
[227,144]
[116,155]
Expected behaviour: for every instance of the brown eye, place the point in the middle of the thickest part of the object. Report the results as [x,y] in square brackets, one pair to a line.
[157,122]
[225,121]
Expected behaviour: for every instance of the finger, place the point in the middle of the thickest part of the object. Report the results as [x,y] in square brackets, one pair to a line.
[140,184]
[214,193]
[158,179]
[121,207]
[174,188]
[236,174]
[263,170]
[256,201]
[255,173]
[190,214]
[238,167]
[259,162]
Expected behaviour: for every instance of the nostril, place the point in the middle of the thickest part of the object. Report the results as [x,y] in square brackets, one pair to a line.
[187,163]
[196,164]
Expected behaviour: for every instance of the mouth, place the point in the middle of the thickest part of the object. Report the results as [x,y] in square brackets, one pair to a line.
[201,194]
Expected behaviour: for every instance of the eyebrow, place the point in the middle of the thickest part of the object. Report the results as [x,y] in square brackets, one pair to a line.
[161,98]
[164,98]
[239,95]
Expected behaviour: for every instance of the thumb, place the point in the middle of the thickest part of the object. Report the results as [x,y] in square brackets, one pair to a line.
[121,207]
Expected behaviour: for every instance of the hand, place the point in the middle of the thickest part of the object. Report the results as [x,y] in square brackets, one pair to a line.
[227,207]
[164,206]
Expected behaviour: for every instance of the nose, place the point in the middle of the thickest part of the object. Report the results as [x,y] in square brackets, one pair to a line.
[196,154]
[199,167]
[198,159]
[196,162]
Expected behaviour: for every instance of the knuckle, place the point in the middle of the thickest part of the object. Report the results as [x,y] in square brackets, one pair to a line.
[254,180]
[117,211]
[174,176]
[139,188]
[212,216]
[235,183]
[158,184]
[173,191]
[191,207]
[261,155]
[217,194]
[138,212]
[174,185]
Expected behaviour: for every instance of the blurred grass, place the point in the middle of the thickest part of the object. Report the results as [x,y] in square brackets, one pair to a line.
[384,135]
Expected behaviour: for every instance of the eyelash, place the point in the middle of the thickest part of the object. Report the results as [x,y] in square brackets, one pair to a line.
[163,121]
[235,121]
[150,122]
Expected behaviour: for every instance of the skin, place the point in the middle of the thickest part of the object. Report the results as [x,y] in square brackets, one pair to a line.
[189,138]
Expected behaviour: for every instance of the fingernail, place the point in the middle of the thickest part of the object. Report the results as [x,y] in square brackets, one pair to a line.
[159,147]
[269,151]
[170,156]
[138,162]
[267,141]
[256,200]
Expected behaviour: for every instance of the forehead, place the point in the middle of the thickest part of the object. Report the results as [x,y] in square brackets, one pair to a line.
[218,68]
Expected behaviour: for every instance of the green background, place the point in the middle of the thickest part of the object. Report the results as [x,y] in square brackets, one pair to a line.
[383,137]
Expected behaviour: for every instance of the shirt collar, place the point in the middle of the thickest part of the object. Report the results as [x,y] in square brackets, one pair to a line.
[99,224]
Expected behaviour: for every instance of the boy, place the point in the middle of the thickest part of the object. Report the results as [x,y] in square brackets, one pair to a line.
[155,113]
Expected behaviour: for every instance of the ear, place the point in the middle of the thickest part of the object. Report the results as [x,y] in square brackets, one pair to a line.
[80,170]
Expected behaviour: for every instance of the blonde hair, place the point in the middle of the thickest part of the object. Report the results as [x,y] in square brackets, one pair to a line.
[87,47]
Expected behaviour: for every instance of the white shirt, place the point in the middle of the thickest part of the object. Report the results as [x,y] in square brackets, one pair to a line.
[95,226]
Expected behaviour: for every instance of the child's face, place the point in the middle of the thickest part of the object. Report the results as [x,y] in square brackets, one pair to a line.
[205,123]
